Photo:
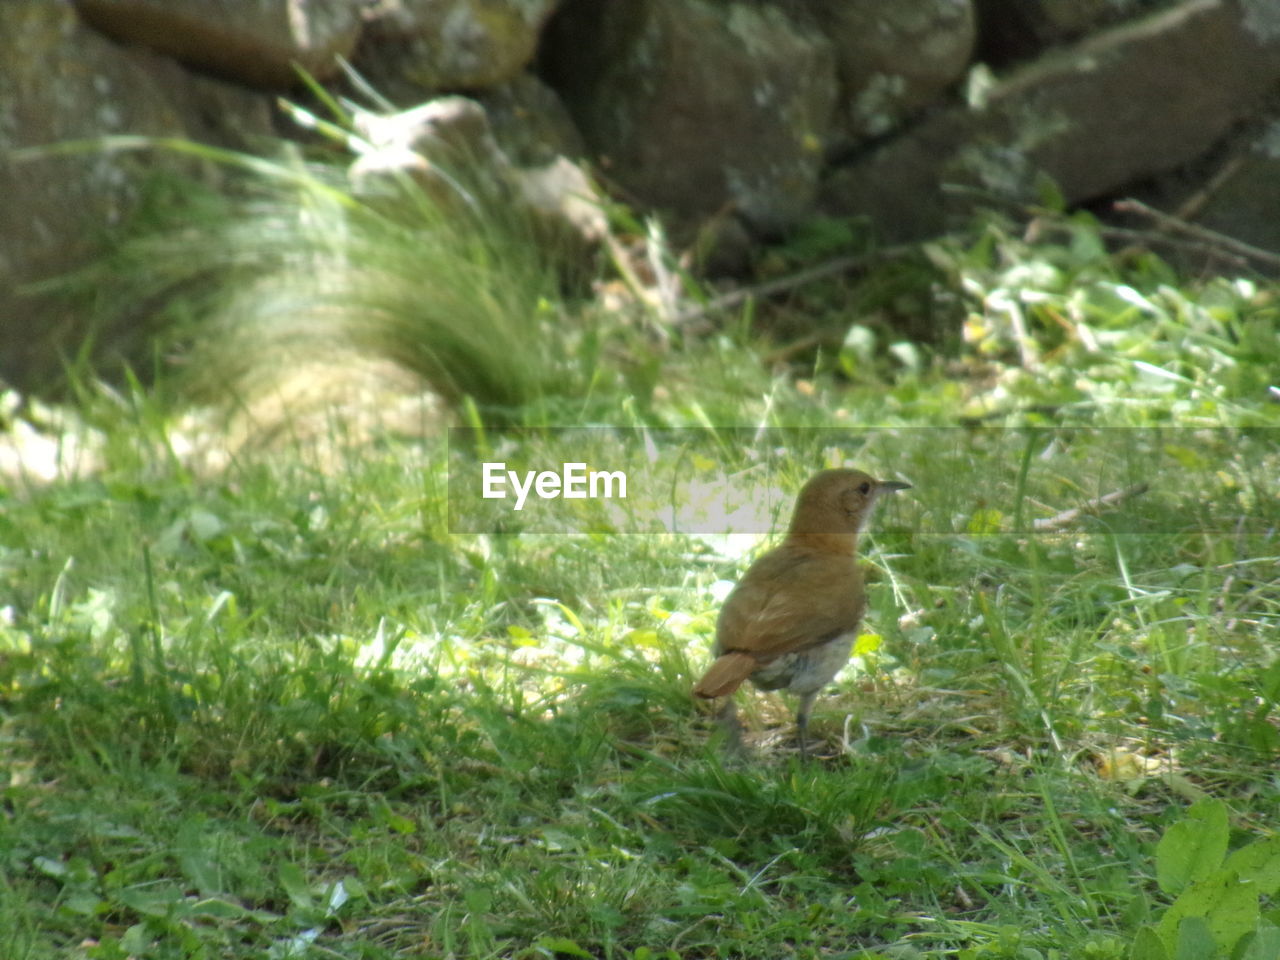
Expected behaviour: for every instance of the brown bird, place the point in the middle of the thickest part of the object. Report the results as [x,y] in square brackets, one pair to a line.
[791,621]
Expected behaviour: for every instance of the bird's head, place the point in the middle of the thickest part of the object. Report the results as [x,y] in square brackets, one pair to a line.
[839,501]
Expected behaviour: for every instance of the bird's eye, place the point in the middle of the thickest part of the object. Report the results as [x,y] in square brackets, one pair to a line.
[864,487]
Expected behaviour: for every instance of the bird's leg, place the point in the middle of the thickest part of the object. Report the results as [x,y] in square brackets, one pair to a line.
[802,721]
[728,719]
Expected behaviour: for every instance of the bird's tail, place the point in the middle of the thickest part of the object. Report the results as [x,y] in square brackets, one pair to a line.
[725,675]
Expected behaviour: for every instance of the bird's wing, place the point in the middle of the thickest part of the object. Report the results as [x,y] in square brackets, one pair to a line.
[790,600]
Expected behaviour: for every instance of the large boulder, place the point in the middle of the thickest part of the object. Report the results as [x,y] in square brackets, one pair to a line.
[416,46]
[63,82]
[894,58]
[692,105]
[530,122]
[1012,30]
[1124,105]
[1247,204]
[1235,190]
[255,42]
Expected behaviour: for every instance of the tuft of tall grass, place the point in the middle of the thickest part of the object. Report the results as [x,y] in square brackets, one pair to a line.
[293,270]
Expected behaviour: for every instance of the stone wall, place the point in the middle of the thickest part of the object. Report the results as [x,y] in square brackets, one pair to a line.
[760,112]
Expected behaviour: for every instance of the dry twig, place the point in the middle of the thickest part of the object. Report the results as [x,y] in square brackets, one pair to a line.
[1067,517]
[1211,240]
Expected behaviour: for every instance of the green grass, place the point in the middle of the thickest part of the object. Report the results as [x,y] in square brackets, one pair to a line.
[281,709]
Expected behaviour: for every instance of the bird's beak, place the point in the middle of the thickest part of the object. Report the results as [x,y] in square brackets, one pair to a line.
[889,486]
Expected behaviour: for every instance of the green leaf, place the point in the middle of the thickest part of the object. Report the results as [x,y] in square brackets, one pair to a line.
[192,849]
[1147,945]
[204,526]
[153,899]
[1228,907]
[478,900]
[1195,942]
[217,908]
[336,898]
[867,643]
[50,867]
[136,940]
[1050,194]
[984,521]
[1258,863]
[399,822]
[1264,946]
[1192,849]
[1188,458]
[295,885]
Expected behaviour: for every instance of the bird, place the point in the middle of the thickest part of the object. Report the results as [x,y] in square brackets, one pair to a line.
[790,622]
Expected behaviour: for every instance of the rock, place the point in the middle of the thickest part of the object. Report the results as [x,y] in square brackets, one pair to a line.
[530,122]
[449,130]
[894,59]
[255,42]
[42,444]
[64,82]
[449,45]
[723,247]
[1247,205]
[691,105]
[216,112]
[1124,105]
[1012,30]
[1235,191]
[447,146]
[559,190]
[325,402]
